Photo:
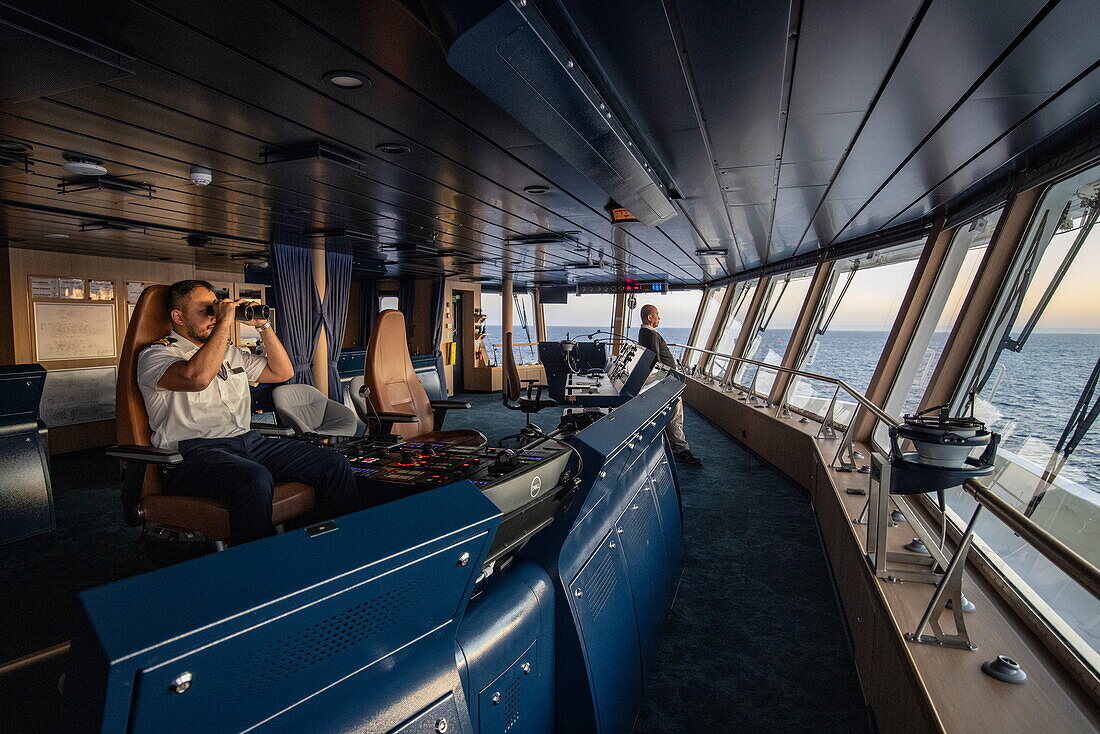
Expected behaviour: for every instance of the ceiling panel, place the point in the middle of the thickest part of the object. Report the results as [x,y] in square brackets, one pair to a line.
[863,145]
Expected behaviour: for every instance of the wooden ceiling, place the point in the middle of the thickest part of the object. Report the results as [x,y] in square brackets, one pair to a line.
[784,128]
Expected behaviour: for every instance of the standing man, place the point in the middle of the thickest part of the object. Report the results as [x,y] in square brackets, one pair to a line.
[649,338]
[195,386]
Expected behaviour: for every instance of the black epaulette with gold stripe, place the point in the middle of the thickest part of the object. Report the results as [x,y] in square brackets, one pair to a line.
[165,341]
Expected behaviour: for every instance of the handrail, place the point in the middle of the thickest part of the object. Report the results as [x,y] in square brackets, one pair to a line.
[1069,561]
[1079,569]
[860,398]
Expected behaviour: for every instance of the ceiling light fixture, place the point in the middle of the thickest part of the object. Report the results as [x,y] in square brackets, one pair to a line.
[83,165]
[536,189]
[56,236]
[347,79]
[14,146]
[392,148]
[716,252]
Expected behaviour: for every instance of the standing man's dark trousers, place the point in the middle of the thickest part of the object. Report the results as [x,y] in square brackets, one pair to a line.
[242,472]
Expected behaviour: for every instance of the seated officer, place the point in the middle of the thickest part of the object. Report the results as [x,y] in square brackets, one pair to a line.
[195,385]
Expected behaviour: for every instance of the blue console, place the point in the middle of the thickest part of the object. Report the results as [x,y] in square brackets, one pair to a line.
[391,619]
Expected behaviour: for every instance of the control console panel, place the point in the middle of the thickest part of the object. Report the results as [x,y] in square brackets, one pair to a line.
[528,485]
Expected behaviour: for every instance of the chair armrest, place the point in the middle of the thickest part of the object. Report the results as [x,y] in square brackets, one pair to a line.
[145,455]
[385,420]
[449,405]
[394,417]
[440,408]
[270,429]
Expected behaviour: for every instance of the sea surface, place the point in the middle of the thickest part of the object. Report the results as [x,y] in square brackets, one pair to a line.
[1028,402]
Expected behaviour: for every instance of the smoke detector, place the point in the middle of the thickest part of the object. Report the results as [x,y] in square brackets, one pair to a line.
[83,165]
[201,176]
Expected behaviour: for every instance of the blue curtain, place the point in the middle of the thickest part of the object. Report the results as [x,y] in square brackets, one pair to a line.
[299,314]
[406,296]
[368,310]
[335,308]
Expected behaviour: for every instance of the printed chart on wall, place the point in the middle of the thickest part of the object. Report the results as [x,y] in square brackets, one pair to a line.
[78,396]
[74,331]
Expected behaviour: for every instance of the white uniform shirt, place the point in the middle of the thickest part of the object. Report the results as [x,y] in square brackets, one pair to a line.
[222,410]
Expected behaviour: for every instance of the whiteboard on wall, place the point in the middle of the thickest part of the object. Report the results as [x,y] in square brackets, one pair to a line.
[74,331]
[77,396]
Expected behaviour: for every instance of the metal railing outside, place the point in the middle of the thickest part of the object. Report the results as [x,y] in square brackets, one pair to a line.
[1076,568]
[846,456]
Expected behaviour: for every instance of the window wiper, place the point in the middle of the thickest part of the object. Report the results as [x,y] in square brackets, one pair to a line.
[828,320]
[1077,427]
[1018,343]
[768,320]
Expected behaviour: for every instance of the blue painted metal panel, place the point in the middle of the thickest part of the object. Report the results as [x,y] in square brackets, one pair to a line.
[648,570]
[352,628]
[506,647]
[667,495]
[604,609]
[598,672]
[443,716]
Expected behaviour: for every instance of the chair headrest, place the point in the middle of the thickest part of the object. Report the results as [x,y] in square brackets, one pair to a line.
[150,320]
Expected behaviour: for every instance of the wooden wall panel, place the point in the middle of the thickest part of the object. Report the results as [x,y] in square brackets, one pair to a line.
[22,264]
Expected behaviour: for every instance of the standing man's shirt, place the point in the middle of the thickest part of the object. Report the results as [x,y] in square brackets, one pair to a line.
[222,410]
[649,338]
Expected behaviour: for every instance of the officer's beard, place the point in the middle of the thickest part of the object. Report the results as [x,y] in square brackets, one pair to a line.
[199,336]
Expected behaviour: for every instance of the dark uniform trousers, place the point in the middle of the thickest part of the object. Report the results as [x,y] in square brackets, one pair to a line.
[242,472]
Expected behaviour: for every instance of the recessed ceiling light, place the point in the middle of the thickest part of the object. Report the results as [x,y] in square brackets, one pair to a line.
[716,252]
[347,79]
[56,236]
[298,211]
[536,189]
[83,165]
[392,148]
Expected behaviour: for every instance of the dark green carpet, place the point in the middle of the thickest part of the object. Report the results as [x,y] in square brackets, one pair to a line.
[755,641]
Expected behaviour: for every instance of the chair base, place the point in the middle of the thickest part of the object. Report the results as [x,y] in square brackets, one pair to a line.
[526,435]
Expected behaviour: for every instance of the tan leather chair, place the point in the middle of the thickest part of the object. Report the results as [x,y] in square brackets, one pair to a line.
[394,392]
[143,498]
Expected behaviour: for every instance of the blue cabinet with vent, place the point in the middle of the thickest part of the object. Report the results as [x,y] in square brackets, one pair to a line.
[604,611]
[643,545]
[663,485]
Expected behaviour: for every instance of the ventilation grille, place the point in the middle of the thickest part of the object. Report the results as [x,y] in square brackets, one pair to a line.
[510,699]
[635,521]
[317,643]
[662,479]
[601,584]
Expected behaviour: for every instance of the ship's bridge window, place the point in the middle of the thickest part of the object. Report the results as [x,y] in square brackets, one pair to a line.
[677,310]
[851,326]
[776,322]
[960,266]
[731,327]
[711,302]
[1036,381]
[579,316]
[524,328]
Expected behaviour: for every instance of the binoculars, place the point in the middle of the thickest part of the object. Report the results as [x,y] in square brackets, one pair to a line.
[246,311]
